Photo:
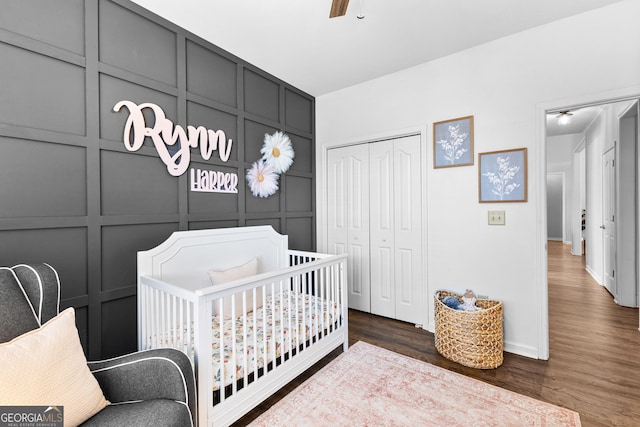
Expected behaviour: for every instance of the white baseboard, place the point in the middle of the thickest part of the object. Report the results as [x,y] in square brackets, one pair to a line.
[594,275]
[431,327]
[522,350]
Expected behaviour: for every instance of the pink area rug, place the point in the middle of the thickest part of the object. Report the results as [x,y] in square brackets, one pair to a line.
[371,386]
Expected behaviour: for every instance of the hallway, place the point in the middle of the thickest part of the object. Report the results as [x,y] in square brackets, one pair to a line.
[594,345]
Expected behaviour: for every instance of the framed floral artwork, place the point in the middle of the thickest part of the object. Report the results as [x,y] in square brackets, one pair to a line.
[453,142]
[502,176]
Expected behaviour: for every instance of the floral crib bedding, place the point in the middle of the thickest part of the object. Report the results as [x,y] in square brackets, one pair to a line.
[276,323]
[284,329]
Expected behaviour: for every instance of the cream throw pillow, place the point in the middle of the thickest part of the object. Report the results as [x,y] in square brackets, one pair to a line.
[46,367]
[218,277]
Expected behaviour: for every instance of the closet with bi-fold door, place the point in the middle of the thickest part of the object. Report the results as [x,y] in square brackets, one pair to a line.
[375,216]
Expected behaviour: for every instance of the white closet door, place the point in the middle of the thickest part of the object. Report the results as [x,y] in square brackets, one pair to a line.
[396,229]
[382,224]
[407,192]
[348,217]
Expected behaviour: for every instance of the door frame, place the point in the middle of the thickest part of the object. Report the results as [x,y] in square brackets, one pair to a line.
[608,192]
[538,160]
[625,270]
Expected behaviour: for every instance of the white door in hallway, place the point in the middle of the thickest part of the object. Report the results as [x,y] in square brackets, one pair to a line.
[348,217]
[609,219]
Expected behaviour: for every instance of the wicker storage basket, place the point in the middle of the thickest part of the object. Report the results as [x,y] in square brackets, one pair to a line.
[471,338]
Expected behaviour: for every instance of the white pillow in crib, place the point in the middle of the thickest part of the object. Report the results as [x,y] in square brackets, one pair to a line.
[218,277]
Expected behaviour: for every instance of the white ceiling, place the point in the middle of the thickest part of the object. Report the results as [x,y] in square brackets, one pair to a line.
[580,120]
[297,42]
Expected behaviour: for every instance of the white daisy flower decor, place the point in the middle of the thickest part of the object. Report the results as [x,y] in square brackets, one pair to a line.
[262,179]
[277,151]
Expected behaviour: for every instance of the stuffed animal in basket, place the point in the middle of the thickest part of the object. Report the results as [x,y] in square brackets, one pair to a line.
[452,302]
[469,301]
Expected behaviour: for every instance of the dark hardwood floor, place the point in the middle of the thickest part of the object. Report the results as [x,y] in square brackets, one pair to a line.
[594,364]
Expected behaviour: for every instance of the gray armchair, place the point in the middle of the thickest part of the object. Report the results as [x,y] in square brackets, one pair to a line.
[147,388]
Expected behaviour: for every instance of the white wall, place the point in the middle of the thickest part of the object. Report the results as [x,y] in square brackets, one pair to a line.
[555,206]
[503,84]
[578,196]
[559,151]
[596,142]
[560,159]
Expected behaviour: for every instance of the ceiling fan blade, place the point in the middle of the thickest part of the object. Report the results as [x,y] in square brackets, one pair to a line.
[564,113]
[338,8]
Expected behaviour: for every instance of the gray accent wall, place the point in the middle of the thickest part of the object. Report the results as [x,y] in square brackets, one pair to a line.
[70,193]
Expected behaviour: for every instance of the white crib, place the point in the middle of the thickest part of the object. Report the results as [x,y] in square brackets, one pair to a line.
[300,314]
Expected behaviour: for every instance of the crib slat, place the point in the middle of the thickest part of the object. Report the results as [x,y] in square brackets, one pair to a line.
[151,332]
[293,305]
[334,286]
[273,324]
[150,316]
[303,327]
[336,300]
[264,329]
[281,339]
[290,316]
[323,290]
[325,296]
[294,313]
[167,320]
[182,326]
[255,335]
[314,332]
[232,358]
[190,332]
[221,386]
[244,338]
[144,310]
[163,314]
[320,310]
[340,294]
[156,322]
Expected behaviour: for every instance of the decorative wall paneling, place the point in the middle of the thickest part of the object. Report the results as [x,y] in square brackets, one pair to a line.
[73,196]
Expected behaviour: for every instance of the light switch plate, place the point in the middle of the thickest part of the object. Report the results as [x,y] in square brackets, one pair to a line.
[496,217]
